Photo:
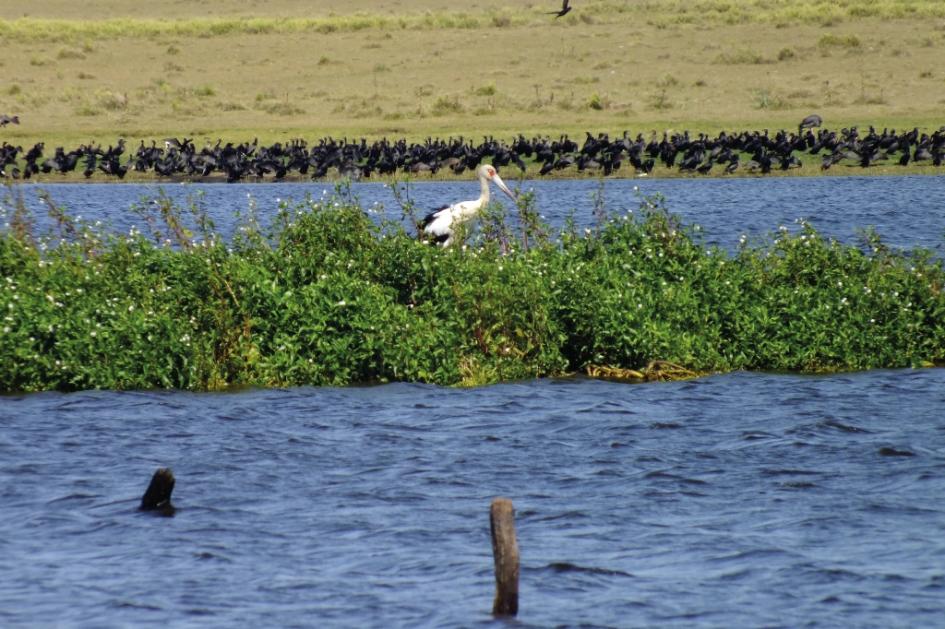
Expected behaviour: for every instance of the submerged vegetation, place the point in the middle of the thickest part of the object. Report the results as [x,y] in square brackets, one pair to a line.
[327,295]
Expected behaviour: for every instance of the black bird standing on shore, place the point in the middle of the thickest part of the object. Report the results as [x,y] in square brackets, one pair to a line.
[809,122]
[565,8]
[702,154]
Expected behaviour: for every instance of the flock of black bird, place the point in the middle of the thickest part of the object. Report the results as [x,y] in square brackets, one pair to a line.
[727,153]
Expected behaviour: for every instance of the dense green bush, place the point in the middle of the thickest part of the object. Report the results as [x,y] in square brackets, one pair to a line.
[330,296]
[644,290]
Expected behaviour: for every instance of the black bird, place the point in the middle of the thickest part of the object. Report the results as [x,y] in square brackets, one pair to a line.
[565,9]
[810,122]
[5,119]
[706,167]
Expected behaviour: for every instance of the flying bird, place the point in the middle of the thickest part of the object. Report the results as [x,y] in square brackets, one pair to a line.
[438,225]
[5,120]
[565,8]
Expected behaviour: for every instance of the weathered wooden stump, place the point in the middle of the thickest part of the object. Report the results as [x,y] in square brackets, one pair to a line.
[157,497]
[505,553]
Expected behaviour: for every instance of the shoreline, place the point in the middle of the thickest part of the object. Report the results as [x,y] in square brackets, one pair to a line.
[530,175]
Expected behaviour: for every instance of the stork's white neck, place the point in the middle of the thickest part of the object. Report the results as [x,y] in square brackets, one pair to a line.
[483,191]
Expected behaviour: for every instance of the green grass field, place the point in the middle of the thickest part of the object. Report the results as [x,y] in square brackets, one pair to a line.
[283,69]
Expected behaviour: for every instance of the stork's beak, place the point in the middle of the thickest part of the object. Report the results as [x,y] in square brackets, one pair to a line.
[504,188]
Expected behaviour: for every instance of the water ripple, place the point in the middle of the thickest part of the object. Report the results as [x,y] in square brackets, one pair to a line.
[736,500]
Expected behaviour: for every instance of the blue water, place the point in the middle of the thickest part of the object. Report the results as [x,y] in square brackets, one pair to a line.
[738,500]
[735,500]
[906,211]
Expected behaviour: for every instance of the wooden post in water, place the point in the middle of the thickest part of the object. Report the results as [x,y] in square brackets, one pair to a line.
[157,497]
[505,553]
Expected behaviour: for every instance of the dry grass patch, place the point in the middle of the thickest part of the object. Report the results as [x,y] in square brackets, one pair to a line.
[739,65]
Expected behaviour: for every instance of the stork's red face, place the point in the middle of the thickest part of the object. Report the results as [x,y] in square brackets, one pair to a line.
[487,172]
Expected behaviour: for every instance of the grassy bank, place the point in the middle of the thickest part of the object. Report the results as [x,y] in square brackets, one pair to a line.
[383,68]
[329,297]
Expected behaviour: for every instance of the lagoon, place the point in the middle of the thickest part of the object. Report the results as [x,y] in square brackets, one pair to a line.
[734,500]
[907,211]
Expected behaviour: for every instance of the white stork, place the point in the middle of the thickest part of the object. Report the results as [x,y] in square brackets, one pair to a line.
[438,225]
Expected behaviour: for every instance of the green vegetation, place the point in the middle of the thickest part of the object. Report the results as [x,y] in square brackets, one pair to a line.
[327,296]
